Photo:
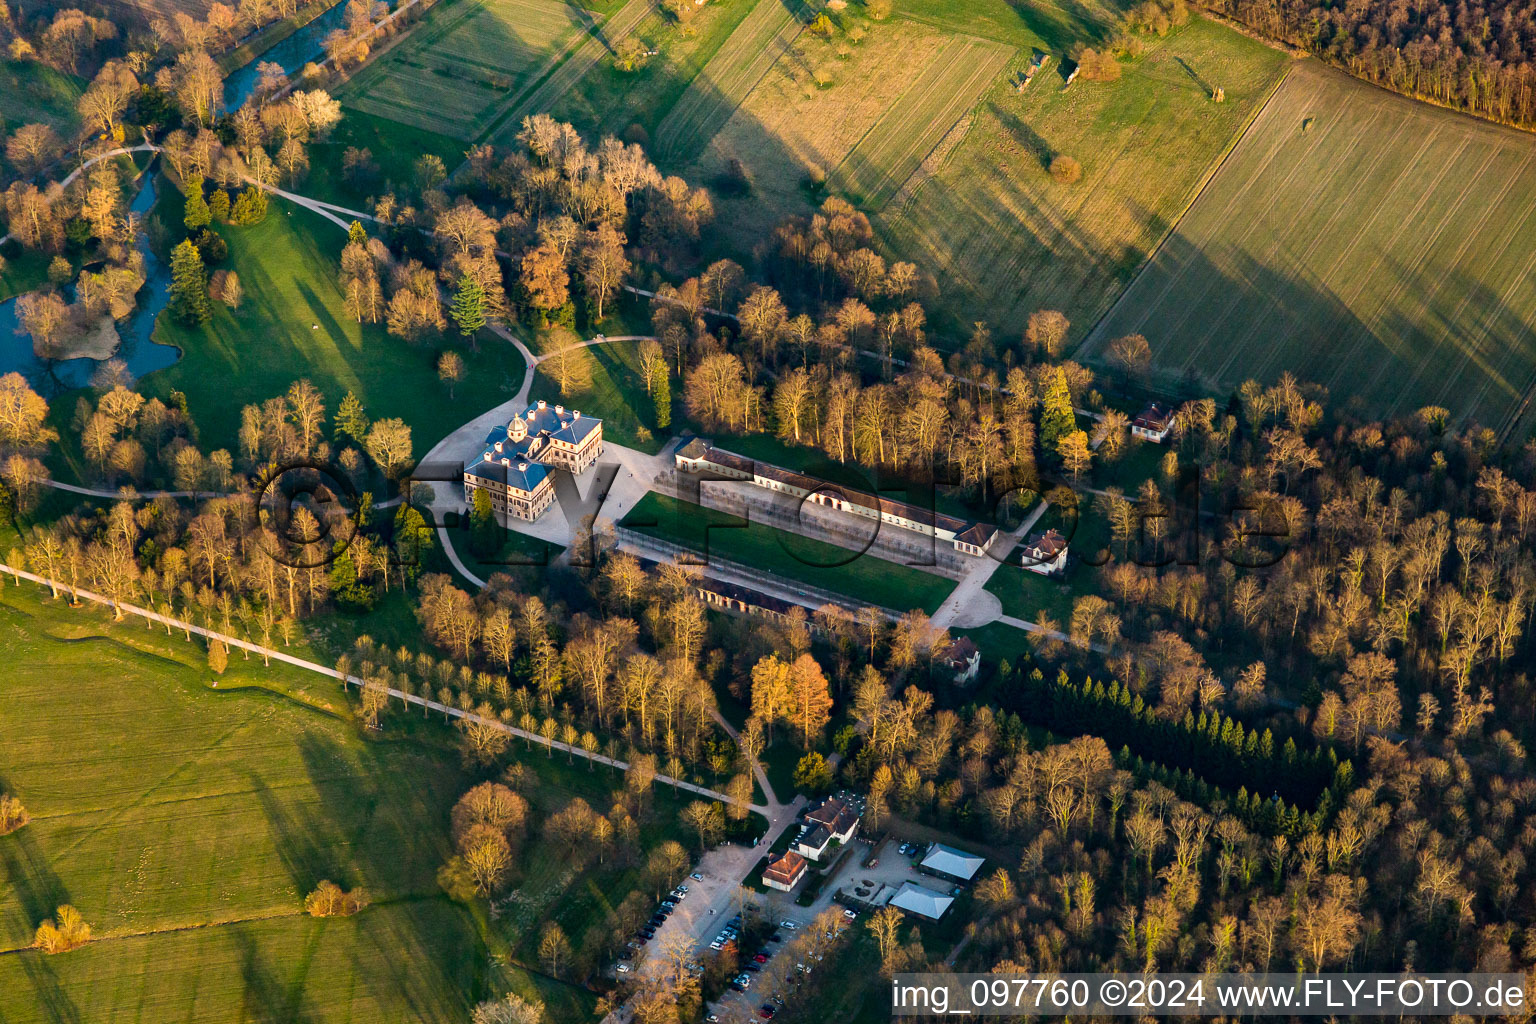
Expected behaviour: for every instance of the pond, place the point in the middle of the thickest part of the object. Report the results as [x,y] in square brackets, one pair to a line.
[292,53]
[137,349]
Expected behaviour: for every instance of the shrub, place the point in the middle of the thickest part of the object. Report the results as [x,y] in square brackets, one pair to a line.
[331,900]
[12,814]
[250,208]
[66,930]
[1066,170]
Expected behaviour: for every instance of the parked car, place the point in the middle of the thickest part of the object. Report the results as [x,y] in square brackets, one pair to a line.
[696,877]
[737,986]
[776,936]
[761,958]
[622,968]
[682,888]
[669,904]
[850,915]
[754,967]
[767,1010]
[717,945]
[788,925]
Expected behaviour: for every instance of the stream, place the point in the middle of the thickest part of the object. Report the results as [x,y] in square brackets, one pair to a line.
[292,53]
[137,347]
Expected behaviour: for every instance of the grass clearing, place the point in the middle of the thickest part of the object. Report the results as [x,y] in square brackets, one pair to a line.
[454,69]
[877,168]
[31,91]
[394,147]
[1366,242]
[293,323]
[614,391]
[713,96]
[1005,238]
[787,555]
[187,823]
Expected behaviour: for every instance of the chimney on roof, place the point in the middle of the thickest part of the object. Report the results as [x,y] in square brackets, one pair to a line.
[522,467]
[541,403]
[559,410]
[575,414]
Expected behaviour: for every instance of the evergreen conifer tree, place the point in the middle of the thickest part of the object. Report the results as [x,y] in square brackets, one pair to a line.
[469,306]
[189,285]
[196,215]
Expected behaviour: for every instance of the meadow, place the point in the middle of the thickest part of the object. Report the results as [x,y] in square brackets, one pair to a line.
[1374,245]
[1006,238]
[293,323]
[449,75]
[186,818]
[913,126]
[808,112]
[788,556]
[187,822]
[757,43]
[568,66]
[630,104]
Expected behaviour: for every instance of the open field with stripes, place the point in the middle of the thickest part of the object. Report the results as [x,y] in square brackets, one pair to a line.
[790,127]
[453,71]
[1006,238]
[713,96]
[1380,247]
[913,126]
[572,63]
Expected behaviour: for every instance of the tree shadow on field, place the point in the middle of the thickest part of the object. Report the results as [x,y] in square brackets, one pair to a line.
[1024,135]
[1075,23]
[266,998]
[54,1002]
[307,841]
[39,890]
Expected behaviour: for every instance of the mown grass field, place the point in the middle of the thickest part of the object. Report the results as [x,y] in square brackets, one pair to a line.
[1005,238]
[570,65]
[187,821]
[452,71]
[31,91]
[760,40]
[186,824]
[808,112]
[911,128]
[788,555]
[293,323]
[1380,247]
[606,100]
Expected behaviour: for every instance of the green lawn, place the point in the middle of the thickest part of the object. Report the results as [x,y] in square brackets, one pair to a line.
[1026,594]
[394,147]
[611,388]
[187,823]
[1363,241]
[191,820]
[24,271]
[788,555]
[31,91]
[462,61]
[1006,238]
[293,324]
